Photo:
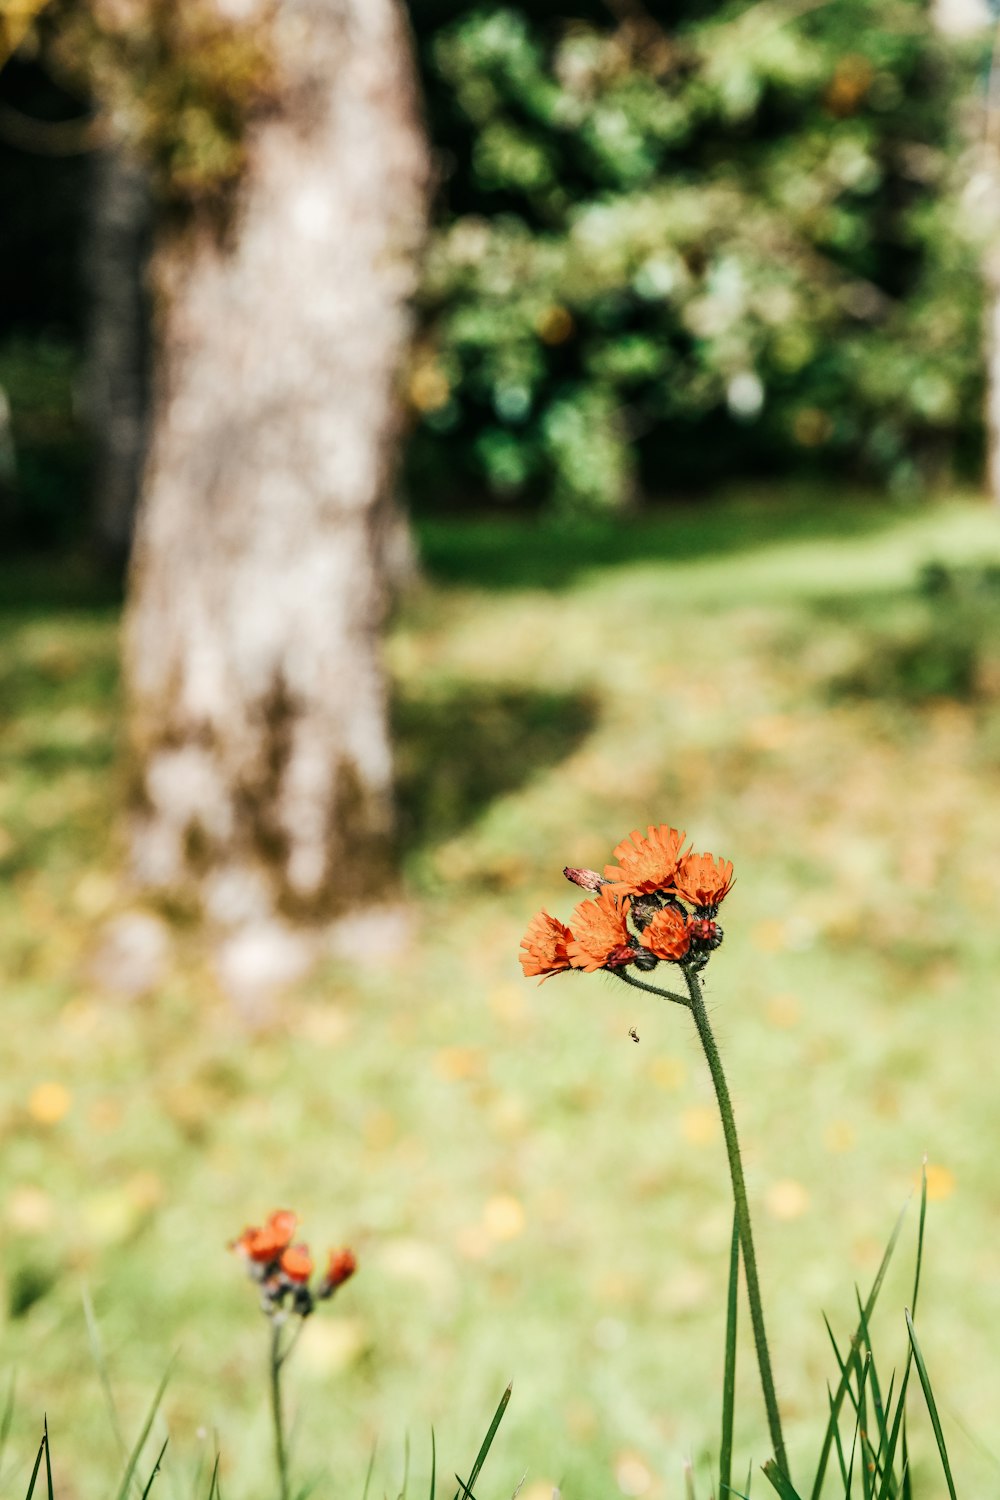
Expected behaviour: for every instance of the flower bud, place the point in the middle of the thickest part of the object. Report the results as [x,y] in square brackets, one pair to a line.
[588,880]
[340,1267]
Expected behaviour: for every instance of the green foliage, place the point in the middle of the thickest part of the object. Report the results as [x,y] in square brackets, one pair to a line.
[180,81]
[670,252]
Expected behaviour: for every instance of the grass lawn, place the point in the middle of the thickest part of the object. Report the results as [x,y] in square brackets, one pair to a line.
[809,687]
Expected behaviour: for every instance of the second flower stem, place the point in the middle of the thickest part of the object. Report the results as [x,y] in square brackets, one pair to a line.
[742,1210]
[277,1414]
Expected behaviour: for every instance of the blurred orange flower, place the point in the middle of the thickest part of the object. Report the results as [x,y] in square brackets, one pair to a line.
[340,1266]
[668,934]
[544,947]
[649,862]
[265,1245]
[600,938]
[703,880]
[296,1263]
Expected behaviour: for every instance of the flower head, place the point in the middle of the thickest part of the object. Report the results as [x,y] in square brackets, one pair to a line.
[544,947]
[647,863]
[296,1264]
[703,880]
[340,1266]
[600,938]
[668,935]
[262,1246]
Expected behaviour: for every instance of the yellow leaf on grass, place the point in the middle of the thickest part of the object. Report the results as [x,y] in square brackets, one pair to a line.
[783,1011]
[332,1344]
[503,1217]
[940,1182]
[455,1063]
[30,1210]
[839,1136]
[632,1474]
[770,936]
[787,1199]
[667,1071]
[699,1125]
[49,1103]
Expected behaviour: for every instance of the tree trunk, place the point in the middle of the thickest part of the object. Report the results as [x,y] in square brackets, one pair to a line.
[117,386]
[963,20]
[258,731]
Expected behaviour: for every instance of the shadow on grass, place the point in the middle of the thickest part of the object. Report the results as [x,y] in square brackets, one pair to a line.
[462,746]
[516,552]
[935,640]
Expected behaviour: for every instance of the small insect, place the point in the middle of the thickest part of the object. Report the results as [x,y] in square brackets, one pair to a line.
[633,1034]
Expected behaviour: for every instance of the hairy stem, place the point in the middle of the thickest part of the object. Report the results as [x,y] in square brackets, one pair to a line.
[280,1455]
[742,1208]
[637,984]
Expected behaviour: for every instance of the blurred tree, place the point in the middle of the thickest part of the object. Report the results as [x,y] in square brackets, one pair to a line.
[684,241]
[283,141]
[116,388]
[262,772]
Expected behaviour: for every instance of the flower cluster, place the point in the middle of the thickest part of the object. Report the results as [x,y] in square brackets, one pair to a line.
[658,904]
[283,1270]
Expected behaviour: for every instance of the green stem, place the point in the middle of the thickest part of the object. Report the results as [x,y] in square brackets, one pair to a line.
[280,1455]
[742,1208]
[637,984]
[729,1372]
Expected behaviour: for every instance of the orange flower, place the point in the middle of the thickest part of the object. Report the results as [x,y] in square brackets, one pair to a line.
[296,1263]
[600,938]
[649,862]
[703,880]
[668,934]
[265,1245]
[544,947]
[340,1266]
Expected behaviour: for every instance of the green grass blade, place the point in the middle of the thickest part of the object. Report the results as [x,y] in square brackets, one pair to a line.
[907,1487]
[485,1447]
[729,1370]
[877,1405]
[865,1443]
[780,1481]
[434,1465]
[136,1453]
[406,1466]
[155,1469]
[842,1387]
[920,1236]
[688,1480]
[873,1374]
[925,1384]
[843,1366]
[6,1420]
[857,1430]
[889,1487]
[368,1474]
[48,1456]
[42,1447]
[214,1492]
[841,1460]
[101,1366]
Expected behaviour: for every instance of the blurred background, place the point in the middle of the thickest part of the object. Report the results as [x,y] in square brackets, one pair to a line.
[434,442]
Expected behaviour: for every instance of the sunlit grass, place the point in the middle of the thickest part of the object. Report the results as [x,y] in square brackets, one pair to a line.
[532,1195]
